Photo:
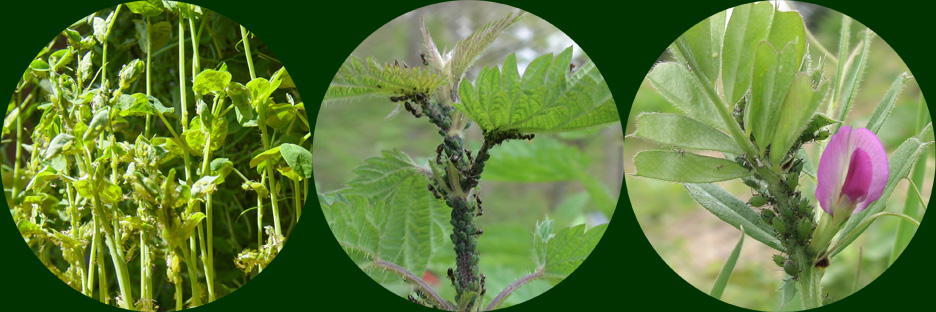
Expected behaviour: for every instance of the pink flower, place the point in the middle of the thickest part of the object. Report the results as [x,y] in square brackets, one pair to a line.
[852,172]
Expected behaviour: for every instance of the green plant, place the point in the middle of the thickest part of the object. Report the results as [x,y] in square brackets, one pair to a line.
[397,212]
[108,164]
[750,92]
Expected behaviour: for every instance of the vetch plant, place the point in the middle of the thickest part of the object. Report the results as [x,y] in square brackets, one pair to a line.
[752,94]
[397,212]
[107,179]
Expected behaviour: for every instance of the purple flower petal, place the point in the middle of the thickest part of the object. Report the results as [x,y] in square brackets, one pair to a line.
[858,178]
[854,164]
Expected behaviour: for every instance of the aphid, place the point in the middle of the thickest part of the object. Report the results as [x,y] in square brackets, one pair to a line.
[423,57]
[571,67]
[451,275]
[679,151]
[479,232]
[689,66]
[790,268]
[468,154]
[719,167]
[823,263]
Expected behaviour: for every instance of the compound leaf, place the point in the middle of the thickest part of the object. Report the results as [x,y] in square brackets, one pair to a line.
[359,78]
[545,99]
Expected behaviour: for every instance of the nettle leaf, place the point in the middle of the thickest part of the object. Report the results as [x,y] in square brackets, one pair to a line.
[679,166]
[357,79]
[272,154]
[733,211]
[541,237]
[566,250]
[298,158]
[799,107]
[748,25]
[469,49]
[683,132]
[546,99]
[701,45]
[211,80]
[540,160]
[677,85]
[388,202]
[899,165]
[884,109]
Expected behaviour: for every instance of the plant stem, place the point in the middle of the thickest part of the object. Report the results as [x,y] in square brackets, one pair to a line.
[247,52]
[149,80]
[513,287]
[296,199]
[415,280]
[809,277]
[116,251]
[193,276]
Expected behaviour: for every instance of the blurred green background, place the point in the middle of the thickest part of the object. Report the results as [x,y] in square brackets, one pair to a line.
[348,133]
[695,243]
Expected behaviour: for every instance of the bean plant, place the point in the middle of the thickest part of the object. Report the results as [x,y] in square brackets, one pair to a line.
[752,94]
[132,201]
[397,212]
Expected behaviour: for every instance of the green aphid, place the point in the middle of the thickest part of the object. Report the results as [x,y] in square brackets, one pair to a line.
[790,268]
[792,182]
[804,229]
[779,225]
[767,215]
[804,207]
[779,259]
[822,135]
[758,201]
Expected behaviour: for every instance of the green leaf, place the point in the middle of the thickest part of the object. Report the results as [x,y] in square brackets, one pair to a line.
[678,166]
[678,86]
[298,158]
[856,66]
[205,185]
[701,46]
[788,28]
[46,174]
[357,79]
[260,90]
[221,167]
[130,72]
[99,26]
[748,25]
[289,173]
[159,34]
[210,80]
[146,8]
[61,58]
[683,132]
[887,103]
[568,249]
[196,136]
[799,107]
[137,104]
[388,214]
[545,99]
[39,68]
[788,291]
[899,164]
[734,212]
[280,115]
[110,192]
[469,49]
[62,142]
[773,72]
[541,160]
[273,153]
[84,66]
[722,280]
[98,124]
[240,97]
[541,237]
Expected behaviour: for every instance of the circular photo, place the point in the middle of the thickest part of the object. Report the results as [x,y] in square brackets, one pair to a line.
[468,156]
[780,156]
[138,146]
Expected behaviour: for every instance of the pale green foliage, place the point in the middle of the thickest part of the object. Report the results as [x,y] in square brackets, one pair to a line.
[546,99]
[733,211]
[359,78]
[700,46]
[676,84]
[469,49]
[683,132]
[887,103]
[387,213]
[679,166]
[749,24]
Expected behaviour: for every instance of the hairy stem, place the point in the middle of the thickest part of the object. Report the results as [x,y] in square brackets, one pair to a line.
[416,281]
[513,287]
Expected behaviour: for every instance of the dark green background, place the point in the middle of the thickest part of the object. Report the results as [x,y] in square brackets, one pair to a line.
[312,39]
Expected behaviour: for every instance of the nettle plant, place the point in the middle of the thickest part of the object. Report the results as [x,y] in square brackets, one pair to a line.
[751,92]
[396,213]
[107,178]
